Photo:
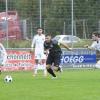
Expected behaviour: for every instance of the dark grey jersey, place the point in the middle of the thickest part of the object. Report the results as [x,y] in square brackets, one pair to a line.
[52,46]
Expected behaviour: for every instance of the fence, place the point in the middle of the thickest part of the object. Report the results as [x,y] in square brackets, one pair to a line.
[54,16]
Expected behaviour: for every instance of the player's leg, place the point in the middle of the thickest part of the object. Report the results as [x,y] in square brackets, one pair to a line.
[44,67]
[35,67]
[61,68]
[97,59]
[37,63]
[57,58]
[3,61]
[44,57]
[0,70]
[48,65]
[42,63]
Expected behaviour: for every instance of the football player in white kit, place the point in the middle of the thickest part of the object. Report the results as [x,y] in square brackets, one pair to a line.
[96,42]
[96,45]
[3,56]
[38,48]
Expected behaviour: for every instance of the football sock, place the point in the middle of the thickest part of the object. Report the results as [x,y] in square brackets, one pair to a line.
[51,72]
[44,69]
[35,69]
[59,69]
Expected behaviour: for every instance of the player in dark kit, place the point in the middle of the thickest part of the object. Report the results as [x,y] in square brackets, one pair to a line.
[54,55]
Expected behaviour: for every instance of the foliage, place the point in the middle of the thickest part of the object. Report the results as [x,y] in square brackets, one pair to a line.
[27,43]
[18,43]
[82,43]
[56,12]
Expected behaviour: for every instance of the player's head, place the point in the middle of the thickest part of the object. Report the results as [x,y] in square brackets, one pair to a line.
[48,37]
[95,36]
[39,30]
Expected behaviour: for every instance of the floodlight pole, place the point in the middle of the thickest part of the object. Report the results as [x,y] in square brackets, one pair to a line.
[72,17]
[7,23]
[72,20]
[64,29]
[40,12]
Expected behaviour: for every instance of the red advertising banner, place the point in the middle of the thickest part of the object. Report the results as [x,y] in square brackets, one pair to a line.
[19,60]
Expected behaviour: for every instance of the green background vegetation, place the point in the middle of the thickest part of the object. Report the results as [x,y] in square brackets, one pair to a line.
[56,12]
[27,43]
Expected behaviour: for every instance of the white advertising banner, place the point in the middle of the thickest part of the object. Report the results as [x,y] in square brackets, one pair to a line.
[19,60]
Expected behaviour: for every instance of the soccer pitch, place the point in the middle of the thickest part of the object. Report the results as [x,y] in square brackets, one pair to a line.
[70,85]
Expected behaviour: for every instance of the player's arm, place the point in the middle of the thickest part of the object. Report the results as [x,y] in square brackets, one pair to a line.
[92,47]
[32,45]
[88,47]
[64,45]
[46,49]
[32,49]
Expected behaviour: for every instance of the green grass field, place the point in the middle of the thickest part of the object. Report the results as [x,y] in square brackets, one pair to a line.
[70,85]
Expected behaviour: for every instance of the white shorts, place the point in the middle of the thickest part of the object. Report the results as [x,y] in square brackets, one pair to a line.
[40,56]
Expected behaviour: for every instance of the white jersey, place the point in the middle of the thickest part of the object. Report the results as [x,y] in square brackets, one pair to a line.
[3,55]
[96,45]
[38,44]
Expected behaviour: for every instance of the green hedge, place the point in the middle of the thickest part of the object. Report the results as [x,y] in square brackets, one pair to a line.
[27,43]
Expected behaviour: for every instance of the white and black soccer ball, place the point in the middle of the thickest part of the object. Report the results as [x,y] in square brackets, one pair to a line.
[8,78]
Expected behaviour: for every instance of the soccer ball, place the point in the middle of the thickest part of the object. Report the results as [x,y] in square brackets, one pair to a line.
[8,78]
